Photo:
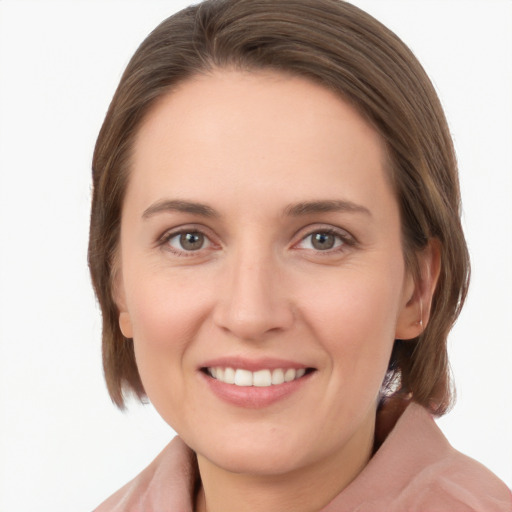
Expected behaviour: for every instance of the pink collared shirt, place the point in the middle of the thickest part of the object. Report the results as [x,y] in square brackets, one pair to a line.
[414,470]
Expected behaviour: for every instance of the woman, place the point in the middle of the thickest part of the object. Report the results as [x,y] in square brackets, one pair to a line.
[277,251]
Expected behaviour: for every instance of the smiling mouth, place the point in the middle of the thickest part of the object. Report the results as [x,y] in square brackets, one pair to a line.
[260,378]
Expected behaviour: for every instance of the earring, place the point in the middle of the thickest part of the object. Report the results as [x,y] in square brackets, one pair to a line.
[420,323]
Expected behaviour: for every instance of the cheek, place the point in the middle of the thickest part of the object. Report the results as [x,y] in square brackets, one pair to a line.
[164,321]
[165,308]
[355,319]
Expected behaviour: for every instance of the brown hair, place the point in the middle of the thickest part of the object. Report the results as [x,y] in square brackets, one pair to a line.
[346,50]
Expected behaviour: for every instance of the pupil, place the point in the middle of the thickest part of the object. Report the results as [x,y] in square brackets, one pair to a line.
[323,241]
[191,241]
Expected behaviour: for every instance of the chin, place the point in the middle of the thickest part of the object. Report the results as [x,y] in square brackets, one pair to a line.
[256,462]
[251,454]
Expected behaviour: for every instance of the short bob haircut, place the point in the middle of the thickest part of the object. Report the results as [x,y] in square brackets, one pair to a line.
[335,44]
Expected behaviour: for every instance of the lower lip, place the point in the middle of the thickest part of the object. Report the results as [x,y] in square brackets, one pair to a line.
[254,397]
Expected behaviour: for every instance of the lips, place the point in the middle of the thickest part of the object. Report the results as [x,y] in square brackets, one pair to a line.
[250,383]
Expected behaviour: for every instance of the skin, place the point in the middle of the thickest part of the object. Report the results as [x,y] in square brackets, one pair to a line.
[249,145]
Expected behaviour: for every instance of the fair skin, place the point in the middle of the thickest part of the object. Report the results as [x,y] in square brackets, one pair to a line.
[260,233]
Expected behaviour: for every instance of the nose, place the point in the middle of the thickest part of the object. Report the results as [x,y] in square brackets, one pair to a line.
[252,302]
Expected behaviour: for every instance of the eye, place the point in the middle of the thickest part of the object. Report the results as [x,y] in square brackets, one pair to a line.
[187,241]
[323,240]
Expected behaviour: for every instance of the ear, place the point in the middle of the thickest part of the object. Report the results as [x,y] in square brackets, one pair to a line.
[418,292]
[125,324]
[119,296]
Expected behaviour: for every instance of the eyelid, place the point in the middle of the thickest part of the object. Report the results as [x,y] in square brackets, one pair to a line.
[163,239]
[345,236]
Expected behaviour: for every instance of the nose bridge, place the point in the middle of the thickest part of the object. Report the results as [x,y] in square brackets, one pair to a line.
[253,300]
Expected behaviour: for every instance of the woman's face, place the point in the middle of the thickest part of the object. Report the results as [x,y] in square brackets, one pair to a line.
[261,243]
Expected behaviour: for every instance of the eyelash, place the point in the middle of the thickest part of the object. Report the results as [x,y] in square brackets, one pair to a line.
[165,240]
[344,240]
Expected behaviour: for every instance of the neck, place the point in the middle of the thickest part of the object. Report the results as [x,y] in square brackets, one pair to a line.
[305,489]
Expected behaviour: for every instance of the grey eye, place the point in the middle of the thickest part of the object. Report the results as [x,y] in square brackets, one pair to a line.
[323,241]
[191,241]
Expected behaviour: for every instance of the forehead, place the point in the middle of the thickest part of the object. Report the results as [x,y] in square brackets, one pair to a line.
[258,130]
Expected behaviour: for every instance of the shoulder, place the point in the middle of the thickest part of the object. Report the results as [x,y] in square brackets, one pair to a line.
[416,469]
[461,483]
[435,476]
[167,484]
[449,477]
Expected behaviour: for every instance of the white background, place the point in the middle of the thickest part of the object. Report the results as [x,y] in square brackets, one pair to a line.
[63,446]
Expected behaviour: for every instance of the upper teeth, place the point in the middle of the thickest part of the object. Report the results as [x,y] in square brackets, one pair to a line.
[261,378]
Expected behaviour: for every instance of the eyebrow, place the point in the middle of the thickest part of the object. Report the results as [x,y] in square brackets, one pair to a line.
[294,210]
[176,205]
[325,206]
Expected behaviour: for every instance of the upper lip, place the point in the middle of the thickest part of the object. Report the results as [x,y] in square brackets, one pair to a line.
[253,365]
